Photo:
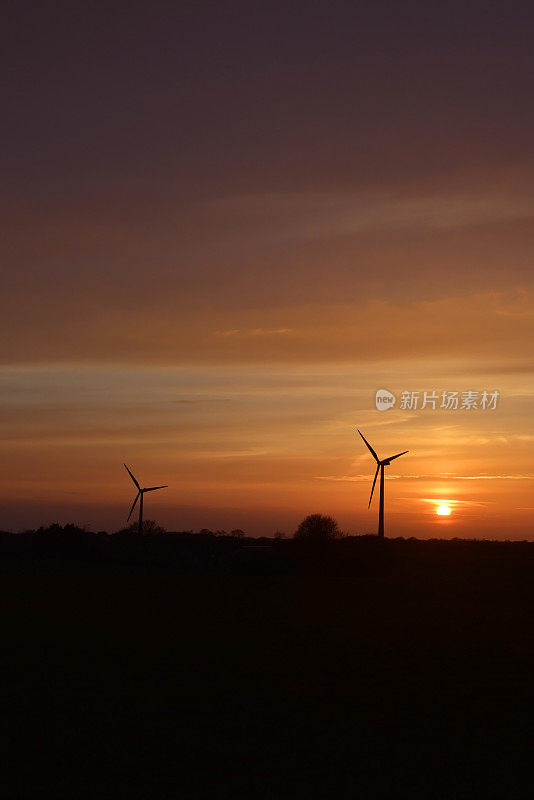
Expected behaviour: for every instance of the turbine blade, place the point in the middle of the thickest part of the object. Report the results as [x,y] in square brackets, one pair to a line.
[153,488]
[397,456]
[372,490]
[132,477]
[133,504]
[369,446]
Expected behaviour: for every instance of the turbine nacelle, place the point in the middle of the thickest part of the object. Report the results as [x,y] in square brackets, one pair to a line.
[387,461]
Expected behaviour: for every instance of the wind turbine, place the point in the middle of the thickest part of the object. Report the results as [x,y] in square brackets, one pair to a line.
[139,496]
[380,466]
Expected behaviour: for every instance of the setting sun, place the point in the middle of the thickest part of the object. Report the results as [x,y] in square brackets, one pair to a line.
[443,511]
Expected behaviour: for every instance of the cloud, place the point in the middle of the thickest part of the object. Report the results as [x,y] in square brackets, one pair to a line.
[359,478]
[357,332]
[206,399]
[317,215]
[454,503]
[485,477]
[253,332]
[290,276]
[452,476]
[517,368]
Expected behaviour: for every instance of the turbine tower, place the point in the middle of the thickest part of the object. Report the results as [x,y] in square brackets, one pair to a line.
[380,466]
[139,496]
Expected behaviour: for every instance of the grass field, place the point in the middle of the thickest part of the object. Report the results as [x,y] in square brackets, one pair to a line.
[218,686]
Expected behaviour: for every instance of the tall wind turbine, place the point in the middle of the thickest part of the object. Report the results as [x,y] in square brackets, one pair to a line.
[139,496]
[380,466]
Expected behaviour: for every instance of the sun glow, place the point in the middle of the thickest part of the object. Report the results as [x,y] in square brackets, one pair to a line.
[443,511]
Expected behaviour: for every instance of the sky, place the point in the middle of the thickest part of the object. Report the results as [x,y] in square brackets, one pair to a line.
[228,225]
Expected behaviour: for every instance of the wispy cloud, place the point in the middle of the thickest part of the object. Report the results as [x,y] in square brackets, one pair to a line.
[323,214]
[358,478]
[454,503]
[443,476]
[485,477]
[234,332]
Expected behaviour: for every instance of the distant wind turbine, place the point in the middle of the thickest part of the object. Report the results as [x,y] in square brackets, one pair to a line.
[380,466]
[139,496]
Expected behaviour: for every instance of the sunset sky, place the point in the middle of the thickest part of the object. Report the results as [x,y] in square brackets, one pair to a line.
[228,225]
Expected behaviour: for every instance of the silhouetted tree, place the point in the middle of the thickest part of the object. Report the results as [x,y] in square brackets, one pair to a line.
[150,527]
[317,528]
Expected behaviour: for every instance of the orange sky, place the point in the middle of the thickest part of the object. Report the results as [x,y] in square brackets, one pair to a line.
[258,447]
[244,396]
[226,229]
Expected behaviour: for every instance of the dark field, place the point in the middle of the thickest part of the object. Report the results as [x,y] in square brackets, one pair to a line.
[411,676]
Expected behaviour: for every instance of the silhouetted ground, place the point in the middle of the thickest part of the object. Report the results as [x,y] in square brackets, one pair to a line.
[357,670]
